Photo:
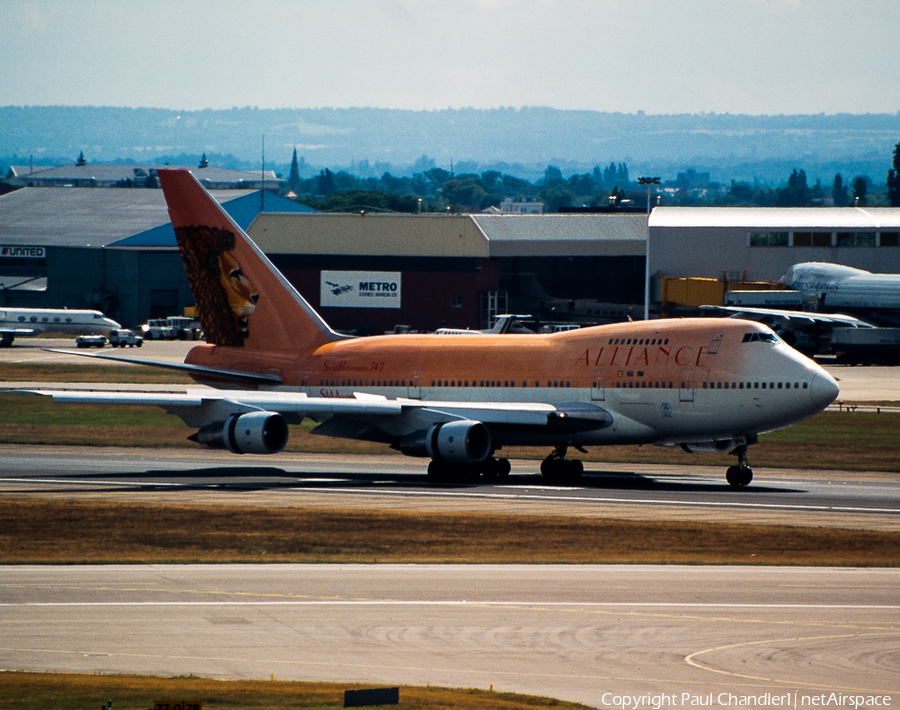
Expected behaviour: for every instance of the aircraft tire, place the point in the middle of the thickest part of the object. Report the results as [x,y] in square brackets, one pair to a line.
[560,471]
[503,468]
[550,469]
[495,469]
[739,476]
[438,471]
[574,469]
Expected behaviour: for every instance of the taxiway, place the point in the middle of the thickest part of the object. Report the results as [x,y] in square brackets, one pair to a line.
[581,633]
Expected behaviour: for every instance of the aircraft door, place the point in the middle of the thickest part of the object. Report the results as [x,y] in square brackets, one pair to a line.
[306,380]
[598,384]
[686,385]
[716,342]
[414,387]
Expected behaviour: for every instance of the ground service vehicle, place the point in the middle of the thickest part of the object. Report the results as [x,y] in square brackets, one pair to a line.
[122,337]
[90,341]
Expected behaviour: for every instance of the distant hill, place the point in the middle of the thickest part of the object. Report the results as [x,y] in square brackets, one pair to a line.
[370,141]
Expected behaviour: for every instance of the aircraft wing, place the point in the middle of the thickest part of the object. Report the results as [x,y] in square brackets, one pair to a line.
[17,331]
[396,417]
[796,317]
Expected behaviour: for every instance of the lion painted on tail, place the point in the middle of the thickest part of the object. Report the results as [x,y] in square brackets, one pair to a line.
[224,297]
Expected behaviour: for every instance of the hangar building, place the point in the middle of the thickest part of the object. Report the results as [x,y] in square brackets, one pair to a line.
[761,243]
[108,249]
[371,272]
[114,249]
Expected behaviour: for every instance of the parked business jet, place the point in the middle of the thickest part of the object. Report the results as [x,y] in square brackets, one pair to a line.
[504,323]
[532,297]
[20,322]
[704,384]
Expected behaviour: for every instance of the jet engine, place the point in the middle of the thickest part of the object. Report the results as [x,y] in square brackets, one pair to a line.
[251,433]
[464,441]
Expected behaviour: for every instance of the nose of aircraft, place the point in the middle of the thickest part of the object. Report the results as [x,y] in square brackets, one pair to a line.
[823,390]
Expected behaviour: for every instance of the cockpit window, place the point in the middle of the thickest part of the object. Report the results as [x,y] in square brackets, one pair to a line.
[760,338]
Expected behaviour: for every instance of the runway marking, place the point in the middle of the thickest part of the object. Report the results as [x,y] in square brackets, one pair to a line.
[483,495]
[462,602]
[92,482]
[630,501]
[369,666]
[691,658]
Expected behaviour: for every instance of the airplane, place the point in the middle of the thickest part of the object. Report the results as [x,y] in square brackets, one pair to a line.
[844,289]
[504,323]
[19,322]
[807,331]
[705,384]
[532,297]
[838,295]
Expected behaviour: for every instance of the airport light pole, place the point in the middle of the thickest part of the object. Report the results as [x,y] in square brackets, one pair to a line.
[649,182]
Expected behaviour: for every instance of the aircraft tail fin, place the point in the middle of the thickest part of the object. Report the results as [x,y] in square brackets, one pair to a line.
[241,298]
[529,286]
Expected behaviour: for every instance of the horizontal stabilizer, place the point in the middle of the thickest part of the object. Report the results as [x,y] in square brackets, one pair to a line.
[214,372]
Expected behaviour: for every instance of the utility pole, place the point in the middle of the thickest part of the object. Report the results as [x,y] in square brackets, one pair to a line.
[649,182]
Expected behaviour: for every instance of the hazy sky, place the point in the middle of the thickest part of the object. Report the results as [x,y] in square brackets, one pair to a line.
[657,56]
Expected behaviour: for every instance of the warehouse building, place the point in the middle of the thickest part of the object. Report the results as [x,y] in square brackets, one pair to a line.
[106,249]
[114,249]
[369,273]
[761,243]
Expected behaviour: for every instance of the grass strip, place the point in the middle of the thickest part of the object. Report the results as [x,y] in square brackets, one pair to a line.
[62,532]
[108,373]
[37,691]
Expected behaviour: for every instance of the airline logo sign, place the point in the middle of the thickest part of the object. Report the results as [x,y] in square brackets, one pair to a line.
[360,289]
[23,252]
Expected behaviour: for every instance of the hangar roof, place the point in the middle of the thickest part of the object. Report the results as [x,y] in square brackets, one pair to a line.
[561,234]
[787,218]
[478,236]
[99,217]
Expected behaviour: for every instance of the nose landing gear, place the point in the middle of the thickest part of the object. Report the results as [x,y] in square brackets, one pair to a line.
[740,475]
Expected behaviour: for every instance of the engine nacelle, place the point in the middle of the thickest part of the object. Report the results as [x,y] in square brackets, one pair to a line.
[251,433]
[463,441]
[709,447]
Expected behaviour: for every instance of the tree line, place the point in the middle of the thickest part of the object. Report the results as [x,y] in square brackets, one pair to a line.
[439,190]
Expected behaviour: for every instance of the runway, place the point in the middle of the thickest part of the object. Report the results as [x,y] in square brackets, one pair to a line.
[582,633]
[607,636]
[698,493]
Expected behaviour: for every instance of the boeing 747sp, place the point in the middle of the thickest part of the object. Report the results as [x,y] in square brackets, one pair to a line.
[702,384]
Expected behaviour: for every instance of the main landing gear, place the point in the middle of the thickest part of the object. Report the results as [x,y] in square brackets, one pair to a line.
[491,469]
[740,475]
[556,468]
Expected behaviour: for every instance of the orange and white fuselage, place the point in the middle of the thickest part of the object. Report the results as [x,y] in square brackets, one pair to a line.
[679,381]
[704,383]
